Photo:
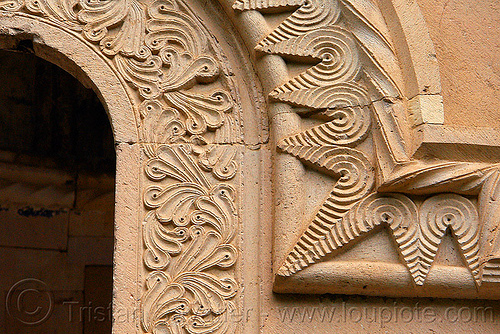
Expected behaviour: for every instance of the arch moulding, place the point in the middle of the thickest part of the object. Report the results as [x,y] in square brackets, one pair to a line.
[273,140]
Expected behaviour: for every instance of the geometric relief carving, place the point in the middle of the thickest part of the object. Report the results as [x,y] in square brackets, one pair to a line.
[353,97]
[454,212]
[417,233]
[352,130]
[354,172]
[348,127]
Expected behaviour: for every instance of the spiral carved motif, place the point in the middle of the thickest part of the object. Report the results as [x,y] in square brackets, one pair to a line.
[331,83]
[354,173]
[313,14]
[397,212]
[348,127]
[457,213]
[355,181]
[322,237]
[334,46]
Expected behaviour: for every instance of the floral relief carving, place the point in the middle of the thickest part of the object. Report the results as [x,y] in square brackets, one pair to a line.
[184,97]
[188,233]
[164,53]
[353,123]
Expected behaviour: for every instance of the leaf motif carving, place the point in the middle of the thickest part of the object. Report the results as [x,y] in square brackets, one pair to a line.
[99,16]
[11,5]
[161,242]
[169,295]
[175,162]
[218,325]
[187,233]
[219,160]
[61,11]
[160,124]
[163,52]
[168,23]
[210,292]
[201,112]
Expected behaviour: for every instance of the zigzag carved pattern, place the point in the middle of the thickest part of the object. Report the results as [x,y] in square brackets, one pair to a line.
[457,213]
[355,181]
[321,238]
[417,235]
[352,169]
[348,128]
[317,30]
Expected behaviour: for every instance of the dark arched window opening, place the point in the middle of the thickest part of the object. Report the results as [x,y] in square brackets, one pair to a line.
[57,165]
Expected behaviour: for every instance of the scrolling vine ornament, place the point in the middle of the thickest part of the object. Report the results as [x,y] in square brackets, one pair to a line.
[188,232]
[186,100]
[163,52]
[357,79]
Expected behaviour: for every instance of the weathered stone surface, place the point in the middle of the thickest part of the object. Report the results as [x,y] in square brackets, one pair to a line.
[467,51]
[270,151]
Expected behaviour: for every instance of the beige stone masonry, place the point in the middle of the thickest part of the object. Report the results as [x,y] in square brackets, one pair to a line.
[269,151]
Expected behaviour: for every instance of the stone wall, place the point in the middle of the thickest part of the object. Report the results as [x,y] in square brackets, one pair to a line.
[466,36]
[292,166]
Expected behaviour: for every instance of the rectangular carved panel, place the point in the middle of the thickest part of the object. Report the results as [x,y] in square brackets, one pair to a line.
[356,212]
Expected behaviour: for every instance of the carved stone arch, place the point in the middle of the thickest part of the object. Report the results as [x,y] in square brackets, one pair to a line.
[418,60]
[192,105]
[66,49]
[63,48]
[182,121]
